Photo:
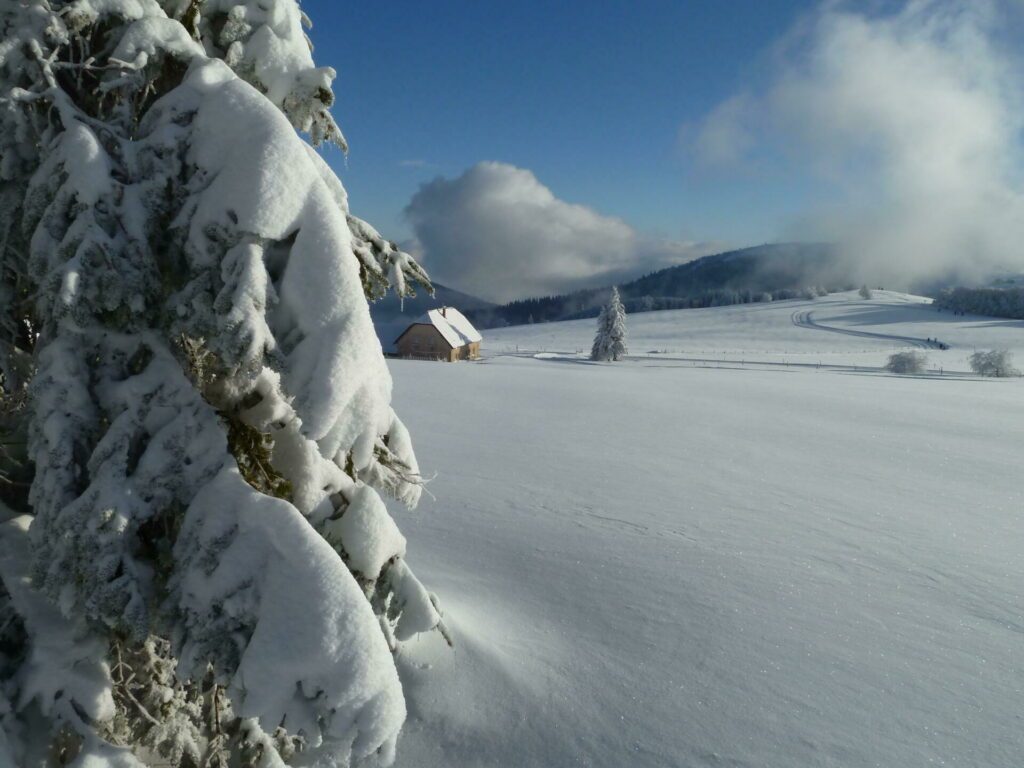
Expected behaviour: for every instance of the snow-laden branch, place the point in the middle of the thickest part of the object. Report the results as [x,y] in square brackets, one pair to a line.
[183,296]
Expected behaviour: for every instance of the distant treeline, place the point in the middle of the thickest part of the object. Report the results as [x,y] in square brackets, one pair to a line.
[762,273]
[583,304]
[995,302]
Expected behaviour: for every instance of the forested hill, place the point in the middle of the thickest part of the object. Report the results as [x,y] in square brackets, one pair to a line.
[761,273]
[1005,300]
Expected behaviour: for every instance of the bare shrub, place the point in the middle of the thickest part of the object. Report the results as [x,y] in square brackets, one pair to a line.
[995,362]
[906,362]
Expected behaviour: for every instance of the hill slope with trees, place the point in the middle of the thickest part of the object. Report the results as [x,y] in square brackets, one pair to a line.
[761,273]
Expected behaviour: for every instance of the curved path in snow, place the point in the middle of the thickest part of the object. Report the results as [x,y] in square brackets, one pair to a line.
[804,318]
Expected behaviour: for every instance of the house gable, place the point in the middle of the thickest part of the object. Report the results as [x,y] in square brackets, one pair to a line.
[431,326]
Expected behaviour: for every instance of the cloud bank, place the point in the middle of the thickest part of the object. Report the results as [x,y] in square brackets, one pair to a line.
[911,122]
[500,234]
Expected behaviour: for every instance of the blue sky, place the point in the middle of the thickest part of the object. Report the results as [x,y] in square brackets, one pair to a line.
[538,148]
[590,96]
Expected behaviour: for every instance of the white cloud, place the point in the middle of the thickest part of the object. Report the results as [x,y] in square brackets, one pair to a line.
[912,117]
[498,233]
[726,134]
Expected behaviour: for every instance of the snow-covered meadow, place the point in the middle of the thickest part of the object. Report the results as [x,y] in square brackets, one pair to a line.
[851,332]
[667,563]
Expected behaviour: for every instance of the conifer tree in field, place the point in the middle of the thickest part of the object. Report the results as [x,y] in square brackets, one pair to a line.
[196,564]
[610,341]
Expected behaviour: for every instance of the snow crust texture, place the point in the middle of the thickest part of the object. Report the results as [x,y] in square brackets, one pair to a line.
[718,564]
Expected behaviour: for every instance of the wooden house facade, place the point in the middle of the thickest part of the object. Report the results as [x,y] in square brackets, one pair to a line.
[440,334]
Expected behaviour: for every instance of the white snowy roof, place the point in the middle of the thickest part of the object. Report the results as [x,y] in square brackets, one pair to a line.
[451,324]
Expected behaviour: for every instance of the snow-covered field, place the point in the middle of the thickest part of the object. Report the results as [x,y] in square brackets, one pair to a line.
[839,329]
[658,563]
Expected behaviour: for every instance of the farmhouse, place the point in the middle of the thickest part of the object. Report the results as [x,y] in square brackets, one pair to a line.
[440,334]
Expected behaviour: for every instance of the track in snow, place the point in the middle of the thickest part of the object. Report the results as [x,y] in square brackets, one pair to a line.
[804,318]
[668,361]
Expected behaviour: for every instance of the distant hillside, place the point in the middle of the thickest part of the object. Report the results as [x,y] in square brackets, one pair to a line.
[761,273]
[391,316]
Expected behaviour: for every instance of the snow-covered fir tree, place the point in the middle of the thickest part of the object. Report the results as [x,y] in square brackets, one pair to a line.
[610,341]
[197,567]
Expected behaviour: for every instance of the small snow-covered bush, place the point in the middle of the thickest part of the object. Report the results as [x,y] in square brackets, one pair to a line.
[996,363]
[906,362]
[865,292]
